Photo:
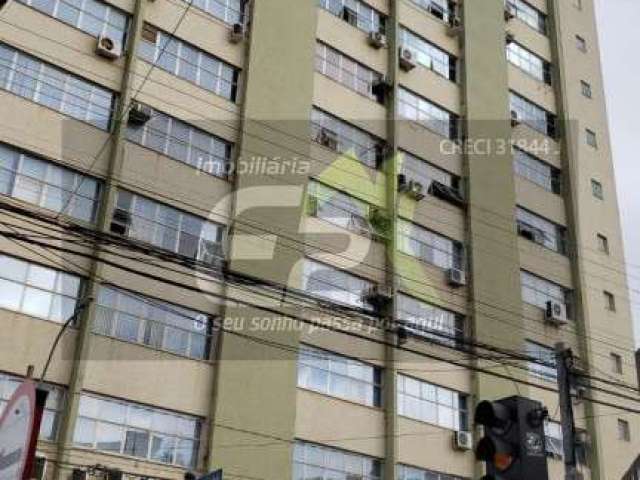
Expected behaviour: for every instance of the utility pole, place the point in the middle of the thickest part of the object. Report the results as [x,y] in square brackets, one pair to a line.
[565,364]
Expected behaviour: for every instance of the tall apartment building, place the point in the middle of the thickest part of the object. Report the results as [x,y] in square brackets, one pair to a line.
[442,164]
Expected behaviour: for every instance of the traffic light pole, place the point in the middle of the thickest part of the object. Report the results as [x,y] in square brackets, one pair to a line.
[564,363]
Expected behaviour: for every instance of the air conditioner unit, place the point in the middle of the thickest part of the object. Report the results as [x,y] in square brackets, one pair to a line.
[120,222]
[462,441]
[237,33]
[456,277]
[407,59]
[446,193]
[556,313]
[380,87]
[455,27]
[139,114]
[510,38]
[415,190]
[509,14]
[378,295]
[515,120]
[377,39]
[109,48]
[328,139]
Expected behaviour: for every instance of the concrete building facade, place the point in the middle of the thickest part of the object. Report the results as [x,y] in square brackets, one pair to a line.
[365,169]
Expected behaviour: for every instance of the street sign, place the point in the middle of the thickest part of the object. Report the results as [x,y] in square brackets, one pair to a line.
[19,428]
[16,425]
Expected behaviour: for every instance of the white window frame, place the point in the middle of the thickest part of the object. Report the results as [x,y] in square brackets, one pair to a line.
[33,79]
[112,23]
[349,73]
[416,108]
[183,142]
[368,19]
[544,354]
[429,55]
[143,320]
[170,53]
[350,294]
[431,247]
[40,182]
[339,376]
[430,321]
[352,141]
[544,290]
[145,229]
[421,396]
[31,286]
[132,418]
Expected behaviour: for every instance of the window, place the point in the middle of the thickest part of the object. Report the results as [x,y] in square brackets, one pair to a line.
[91,16]
[229,11]
[339,376]
[533,17]
[38,291]
[136,430]
[596,189]
[609,301]
[541,231]
[542,355]
[581,43]
[429,321]
[429,55]
[553,439]
[339,208]
[346,71]
[188,62]
[52,409]
[335,285]
[33,79]
[535,170]
[356,13]
[317,462]
[441,9]
[532,115]
[538,291]
[616,363]
[592,140]
[418,109]
[603,243]
[429,246]
[529,62]
[140,319]
[430,403]
[183,142]
[343,137]
[415,168]
[624,433]
[168,228]
[40,182]
[406,472]
[586,89]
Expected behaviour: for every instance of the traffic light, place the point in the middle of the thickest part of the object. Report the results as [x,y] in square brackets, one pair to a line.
[513,447]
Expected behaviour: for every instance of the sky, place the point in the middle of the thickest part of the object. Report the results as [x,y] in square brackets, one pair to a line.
[618,22]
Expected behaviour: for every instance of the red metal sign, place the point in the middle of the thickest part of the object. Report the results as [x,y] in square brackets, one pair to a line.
[19,427]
